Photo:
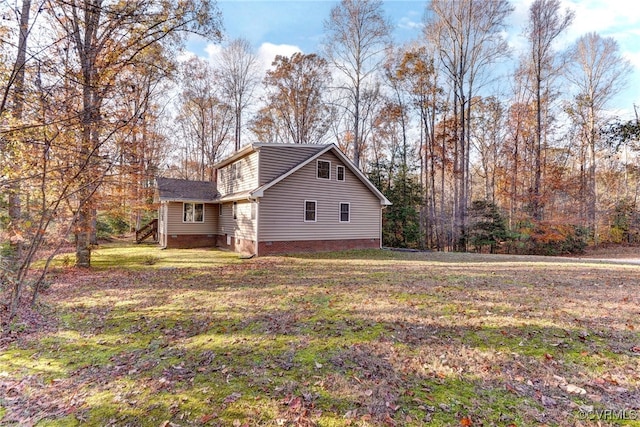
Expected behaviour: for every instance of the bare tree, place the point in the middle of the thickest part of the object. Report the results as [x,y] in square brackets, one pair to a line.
[238,75]
[487,136]
[357,36]
[545,24]
[599,72]
[469,37]
[296,90]
[205,120]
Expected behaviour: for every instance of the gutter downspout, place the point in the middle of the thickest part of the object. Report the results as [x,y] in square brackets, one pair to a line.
[253,200]
[381,217]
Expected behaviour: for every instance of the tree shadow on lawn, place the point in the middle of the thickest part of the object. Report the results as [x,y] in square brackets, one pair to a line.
[293,364]
[273,340]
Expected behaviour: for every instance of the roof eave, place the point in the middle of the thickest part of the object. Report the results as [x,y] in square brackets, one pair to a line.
[187,200]
[245,195]
[235,156]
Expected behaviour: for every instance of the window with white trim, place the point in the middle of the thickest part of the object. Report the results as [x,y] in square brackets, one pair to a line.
[345,214]
[310,210]
[340,173]
[193,212]
[324,169]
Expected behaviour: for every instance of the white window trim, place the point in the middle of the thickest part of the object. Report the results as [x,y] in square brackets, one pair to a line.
[304,211]
[340,212]
[318,164]
[194,210]
[344,173]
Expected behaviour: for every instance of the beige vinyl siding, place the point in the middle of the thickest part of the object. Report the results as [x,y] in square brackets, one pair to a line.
[243,227]
[282,207]
[175,225]
[162,224]
[274,161]
[225,224]
[246,175]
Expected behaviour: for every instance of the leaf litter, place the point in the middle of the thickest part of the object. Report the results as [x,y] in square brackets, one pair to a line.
[452,339]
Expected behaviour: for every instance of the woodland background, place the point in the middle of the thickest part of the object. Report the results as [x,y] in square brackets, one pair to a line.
[98,99]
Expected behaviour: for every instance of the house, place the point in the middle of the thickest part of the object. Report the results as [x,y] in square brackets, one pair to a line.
[274,198]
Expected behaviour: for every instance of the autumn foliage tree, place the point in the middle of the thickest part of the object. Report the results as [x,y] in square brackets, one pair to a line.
[106,39]
[542,66]
[84,119]
[205,121]
[296,104]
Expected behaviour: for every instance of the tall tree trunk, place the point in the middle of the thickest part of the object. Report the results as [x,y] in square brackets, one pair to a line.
[592,194]
[356,126]
[15,206]
[14,191]
[536,204]
[89,142]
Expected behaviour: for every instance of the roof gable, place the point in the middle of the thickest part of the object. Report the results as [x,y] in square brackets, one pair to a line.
[259,192]
[172,189]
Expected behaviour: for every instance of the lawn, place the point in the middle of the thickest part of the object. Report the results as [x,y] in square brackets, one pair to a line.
[362,338]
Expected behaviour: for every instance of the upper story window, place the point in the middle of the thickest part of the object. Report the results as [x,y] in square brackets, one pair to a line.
[193,212]
[340,173]
[324,169]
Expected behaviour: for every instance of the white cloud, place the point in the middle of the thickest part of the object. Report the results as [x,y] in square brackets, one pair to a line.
[213,50]
[634,58]
[268,51]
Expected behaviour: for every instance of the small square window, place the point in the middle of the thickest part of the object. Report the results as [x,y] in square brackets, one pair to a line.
[324,169]
[344,212]
[310,211]
[340,173]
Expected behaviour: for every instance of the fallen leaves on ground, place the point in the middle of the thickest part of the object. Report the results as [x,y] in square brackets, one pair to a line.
[364,338]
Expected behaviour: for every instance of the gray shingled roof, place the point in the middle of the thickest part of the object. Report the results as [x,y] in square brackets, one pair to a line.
[184,189]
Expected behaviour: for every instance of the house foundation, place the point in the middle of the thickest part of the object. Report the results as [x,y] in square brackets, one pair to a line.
[306,246]
[189,241]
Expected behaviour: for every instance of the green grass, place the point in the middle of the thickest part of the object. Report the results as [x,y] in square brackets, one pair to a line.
[145,257]
[201,337]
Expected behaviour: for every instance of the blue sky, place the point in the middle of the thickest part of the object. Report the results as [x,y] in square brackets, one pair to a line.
[284,27]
